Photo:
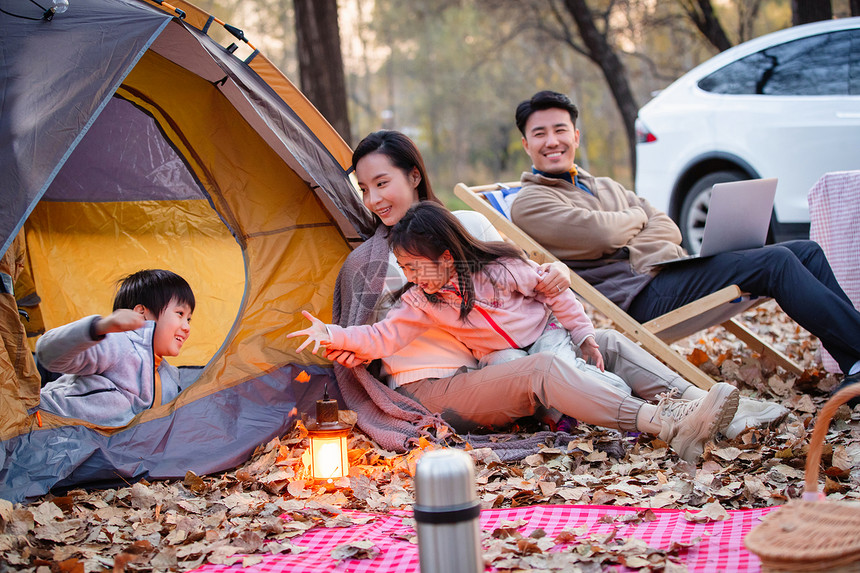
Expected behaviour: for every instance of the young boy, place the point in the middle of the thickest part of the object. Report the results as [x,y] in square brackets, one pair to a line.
[112,367]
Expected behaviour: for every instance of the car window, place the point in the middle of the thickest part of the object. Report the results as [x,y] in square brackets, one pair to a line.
[818,65]
[854,66]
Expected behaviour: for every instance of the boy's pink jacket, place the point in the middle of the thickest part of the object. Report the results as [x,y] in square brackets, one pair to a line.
[508,313]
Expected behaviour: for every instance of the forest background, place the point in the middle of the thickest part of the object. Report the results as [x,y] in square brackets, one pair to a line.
[449,73]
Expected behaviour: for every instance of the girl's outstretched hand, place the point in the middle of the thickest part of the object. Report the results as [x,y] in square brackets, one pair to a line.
[591,352]
[316,333]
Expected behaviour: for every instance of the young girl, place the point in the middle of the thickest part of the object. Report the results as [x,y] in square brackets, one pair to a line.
[483,294]
[451,274]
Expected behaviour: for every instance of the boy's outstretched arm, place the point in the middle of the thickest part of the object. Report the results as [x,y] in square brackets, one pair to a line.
[74,348]
[120,320]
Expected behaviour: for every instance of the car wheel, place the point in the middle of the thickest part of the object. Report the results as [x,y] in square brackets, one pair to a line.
[694,209]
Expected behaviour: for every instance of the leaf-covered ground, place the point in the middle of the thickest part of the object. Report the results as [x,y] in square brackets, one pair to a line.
[239,515]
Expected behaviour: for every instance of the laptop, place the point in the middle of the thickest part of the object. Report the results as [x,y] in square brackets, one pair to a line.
[738,218]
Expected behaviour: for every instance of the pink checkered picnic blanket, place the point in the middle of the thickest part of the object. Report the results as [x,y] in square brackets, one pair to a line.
[720,549]
[834,207]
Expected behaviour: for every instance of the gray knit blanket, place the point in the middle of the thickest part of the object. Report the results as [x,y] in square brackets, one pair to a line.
[391,419]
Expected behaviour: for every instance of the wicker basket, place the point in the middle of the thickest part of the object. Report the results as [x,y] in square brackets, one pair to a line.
[811,534]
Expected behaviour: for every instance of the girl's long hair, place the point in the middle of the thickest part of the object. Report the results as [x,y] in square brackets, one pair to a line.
[402,153]
[428,230]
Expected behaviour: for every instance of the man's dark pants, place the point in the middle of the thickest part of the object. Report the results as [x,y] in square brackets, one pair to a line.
[796,274]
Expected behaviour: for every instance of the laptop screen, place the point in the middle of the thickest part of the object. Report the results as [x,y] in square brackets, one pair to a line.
[738,216]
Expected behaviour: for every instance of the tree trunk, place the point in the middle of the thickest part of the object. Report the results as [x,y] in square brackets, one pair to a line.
[601,53]
[708,24]
[805,11]
[321,75]
[855,7]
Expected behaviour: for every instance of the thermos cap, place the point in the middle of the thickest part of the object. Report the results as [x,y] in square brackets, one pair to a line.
[445,479]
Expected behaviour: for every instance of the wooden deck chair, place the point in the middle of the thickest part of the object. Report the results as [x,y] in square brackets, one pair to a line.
[494,202]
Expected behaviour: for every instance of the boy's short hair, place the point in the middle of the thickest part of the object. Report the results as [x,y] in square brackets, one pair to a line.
[544,100]
[154,289]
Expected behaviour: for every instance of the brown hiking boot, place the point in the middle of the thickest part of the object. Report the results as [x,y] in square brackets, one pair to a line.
[688,424]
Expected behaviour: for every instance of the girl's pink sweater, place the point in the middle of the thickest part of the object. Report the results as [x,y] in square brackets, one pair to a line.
[508,313]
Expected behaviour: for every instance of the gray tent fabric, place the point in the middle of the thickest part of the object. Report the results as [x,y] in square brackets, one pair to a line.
[123,158]
[54,76]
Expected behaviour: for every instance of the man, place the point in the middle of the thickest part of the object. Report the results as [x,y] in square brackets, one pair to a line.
[613,239]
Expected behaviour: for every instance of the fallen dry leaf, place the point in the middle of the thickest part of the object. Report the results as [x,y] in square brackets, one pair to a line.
[710,512]
[355,550]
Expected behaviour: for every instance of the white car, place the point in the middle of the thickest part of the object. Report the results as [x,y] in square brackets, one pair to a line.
[784,105]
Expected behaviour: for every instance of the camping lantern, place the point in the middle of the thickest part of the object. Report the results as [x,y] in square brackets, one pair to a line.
[328,442]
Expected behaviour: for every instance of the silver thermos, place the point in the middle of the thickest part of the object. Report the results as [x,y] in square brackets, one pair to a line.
[447,513]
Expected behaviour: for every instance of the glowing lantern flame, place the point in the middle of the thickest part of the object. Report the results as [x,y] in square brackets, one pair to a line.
[327,455]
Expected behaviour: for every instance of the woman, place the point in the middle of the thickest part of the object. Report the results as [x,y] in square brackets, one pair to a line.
[437,376]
